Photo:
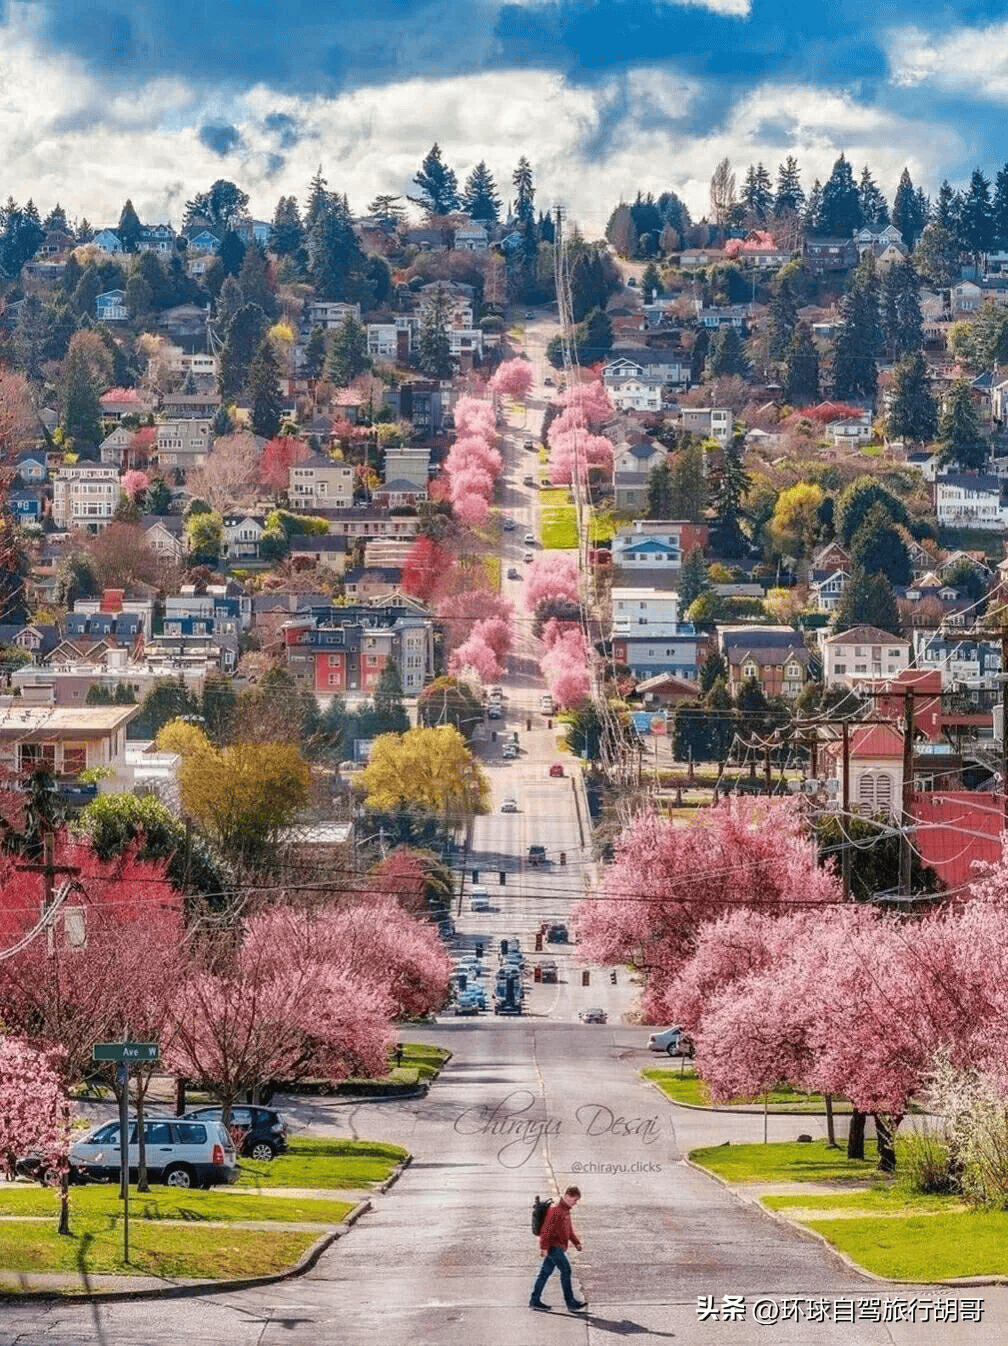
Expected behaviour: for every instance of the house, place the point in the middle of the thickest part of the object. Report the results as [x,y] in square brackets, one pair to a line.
[758,248]
[111,306]
[329,314]
[165,535]
[108,241]
[422,402]
[455,299]
[727,315]
[924,462]
[389,341]
[471,237]
[37,639]
[337,650]
[27,505]
[964,299]
[861,654]
[205,241]
[368,582]
[775,656]
[427,240]
[666,689]
[850,425]
[668,367]
[191,406]
[366,521]
[242,533]
[116,403]
[32,468]
[832,556]
[320,482]
[185,322]
[875,757]
[830,254]
[183,443]
[85,495]
[159,238]
[325,550]
[465,343]
[886,245]
[643,456]
[635,608]
[630,488]
[692,259]
[708,422]
[179,361]
[398,493]
[629,388]
[410,463]
[968,663]
[112,451]
[677,654]
[970,500]
[67,740]
[826,588]
[649,545]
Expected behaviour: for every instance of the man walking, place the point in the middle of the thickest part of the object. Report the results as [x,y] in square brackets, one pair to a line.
[556,1234]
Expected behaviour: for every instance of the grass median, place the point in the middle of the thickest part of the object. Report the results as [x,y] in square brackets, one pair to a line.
[685,1086]
[877,1220]
[329,1164]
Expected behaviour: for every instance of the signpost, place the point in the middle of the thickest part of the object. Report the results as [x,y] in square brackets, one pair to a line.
[125,1053]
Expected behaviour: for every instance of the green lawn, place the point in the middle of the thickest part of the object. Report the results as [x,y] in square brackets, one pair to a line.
[785,1161]
[424,1059]
[558,526]
[686,1087]
[95,1246]
[923,1247]
[101,1201]
[323,1163]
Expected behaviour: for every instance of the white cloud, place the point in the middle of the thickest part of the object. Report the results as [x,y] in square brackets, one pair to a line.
[972,61]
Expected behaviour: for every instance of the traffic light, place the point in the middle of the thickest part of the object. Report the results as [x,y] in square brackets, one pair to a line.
[585,977]
[612,976]
[538,947]
[503,947]
[503,877]
[475,876]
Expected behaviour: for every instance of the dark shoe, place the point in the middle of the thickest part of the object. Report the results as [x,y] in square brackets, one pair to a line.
[538,1304]
[576,1304]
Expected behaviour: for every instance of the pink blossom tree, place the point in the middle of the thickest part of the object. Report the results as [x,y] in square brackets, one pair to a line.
[475,416]
[484,649]
[35,1108]
[134,482]
[551,575]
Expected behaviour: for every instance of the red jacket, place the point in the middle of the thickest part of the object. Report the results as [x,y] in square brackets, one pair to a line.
[557,1230]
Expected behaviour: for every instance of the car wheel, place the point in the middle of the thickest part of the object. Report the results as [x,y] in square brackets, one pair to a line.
[262,1149]
[673,1048]
[178,1176]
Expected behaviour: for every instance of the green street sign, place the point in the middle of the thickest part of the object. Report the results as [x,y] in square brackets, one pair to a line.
[125,1051]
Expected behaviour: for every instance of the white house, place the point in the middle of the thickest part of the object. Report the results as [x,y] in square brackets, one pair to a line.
[389,340]
[644,612]
[85,495]
[329,314]
[471,237]
[111,306]
[656,544]
[861,654]
[970,500]
[630,388]
[241,536]
[964,298]
[826,592]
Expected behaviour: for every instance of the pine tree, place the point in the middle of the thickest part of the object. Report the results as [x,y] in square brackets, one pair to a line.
[841,208]
[801,378]
[789,195]
[318,197]
[859,340]
[868,600]
[524,203]
[757,193]
[264,388]
[386,211]
[81,411]
[129,228]
[438,184]
[783,320]
[698,355]
[245,333]
[435,352]
[999,209]
[874,207]
[287,234]
[901,311]
[912,412]
[348,353]
[727,354]
[948,207]
[906,211]
[976,221]
[335,262]
[813,216]
[480,200]
[962,442]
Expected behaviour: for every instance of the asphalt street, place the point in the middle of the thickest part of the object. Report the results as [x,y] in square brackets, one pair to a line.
[524,1107]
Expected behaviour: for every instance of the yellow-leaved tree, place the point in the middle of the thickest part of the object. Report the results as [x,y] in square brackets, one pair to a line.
[428,769]
[241,795]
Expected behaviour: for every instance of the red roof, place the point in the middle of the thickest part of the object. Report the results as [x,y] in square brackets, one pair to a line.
[876,740]
[955,829]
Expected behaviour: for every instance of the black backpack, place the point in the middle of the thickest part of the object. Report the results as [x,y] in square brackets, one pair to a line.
[539,1209]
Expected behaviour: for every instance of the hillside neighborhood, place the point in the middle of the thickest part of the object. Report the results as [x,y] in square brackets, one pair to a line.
[382,590]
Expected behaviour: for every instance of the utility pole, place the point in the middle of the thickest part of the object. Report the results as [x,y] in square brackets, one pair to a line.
[845,800]
[1004,723]
[906,818]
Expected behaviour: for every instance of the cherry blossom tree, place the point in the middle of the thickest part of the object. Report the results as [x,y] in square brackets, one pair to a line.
[475,416]
[425,567]
[565,663]
[484,650]
[229,472]
[35,1108]
[551,575]
[279,455]
[133,483]
[459,612]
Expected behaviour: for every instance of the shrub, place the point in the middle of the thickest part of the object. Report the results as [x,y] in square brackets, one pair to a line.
[928,1165]
[975,1117]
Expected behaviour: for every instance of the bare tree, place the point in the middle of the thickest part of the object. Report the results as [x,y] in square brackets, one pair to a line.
[722,191]
[229,473]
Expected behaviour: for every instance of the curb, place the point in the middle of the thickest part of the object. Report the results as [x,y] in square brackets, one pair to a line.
[742,1110]
[188,1289]
[394,1176]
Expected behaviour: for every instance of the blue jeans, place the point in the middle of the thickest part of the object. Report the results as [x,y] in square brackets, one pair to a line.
[555,1260]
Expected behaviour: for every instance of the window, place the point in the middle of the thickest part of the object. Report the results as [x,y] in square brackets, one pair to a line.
[37,754]
[157,1133]
[191,1133]
[74,758]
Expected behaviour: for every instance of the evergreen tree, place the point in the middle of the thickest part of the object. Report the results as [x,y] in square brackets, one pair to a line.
[315,353]
[868,600]
[245,334]
[878,547]
[813,214]
[220,209]
[840,215]
[757,193]
[698,355]
[948,208]
[874,207]
[336,265]
[435,353]
[318,201]
[129,228]
[689,485]
[801,377]
[906,211]
[386,211]
[727,354]
[976,220]
[479,199]
[287,232]
[659,491]
[962,442]
[731,483]
[524,202]
[692,578]
[390,713]
[859,341]
[81,411]
[936,255]
[438,184]
[264,390]
[999,210]
[255,281]
[901,312]
[651,285]
[783,320]
[912,411]
[348,352]
[789,195]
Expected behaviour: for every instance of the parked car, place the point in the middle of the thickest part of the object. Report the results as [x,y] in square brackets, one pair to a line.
[514,573]
[508,524]
[548,970]
[509,806]
[593,1016]
[529,315]
[556,769]
[537,855]
[527,558]
[673,1041]
[548,381]
[179,1152]
[479,899]
[264,1131]
[509,752]
[528,479]
[556,933]
[530,445]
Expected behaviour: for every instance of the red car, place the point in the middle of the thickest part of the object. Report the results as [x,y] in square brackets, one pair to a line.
[556,769]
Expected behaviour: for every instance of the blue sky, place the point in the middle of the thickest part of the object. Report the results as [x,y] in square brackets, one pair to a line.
[604,96]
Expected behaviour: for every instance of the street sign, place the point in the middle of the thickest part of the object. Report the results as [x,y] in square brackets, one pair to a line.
[125,1051]
[659,724]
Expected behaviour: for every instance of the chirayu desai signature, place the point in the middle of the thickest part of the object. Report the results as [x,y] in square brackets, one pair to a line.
[521,1132]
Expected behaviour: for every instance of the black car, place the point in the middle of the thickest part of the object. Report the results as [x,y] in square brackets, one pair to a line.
[556,934]
[263,1130]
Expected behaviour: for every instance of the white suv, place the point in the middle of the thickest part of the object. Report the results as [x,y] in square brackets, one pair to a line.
[182,1153]
[671,1040]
